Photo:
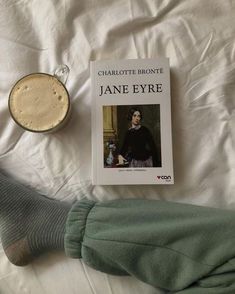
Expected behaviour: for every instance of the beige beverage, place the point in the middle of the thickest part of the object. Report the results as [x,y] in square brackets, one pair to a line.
[39,103]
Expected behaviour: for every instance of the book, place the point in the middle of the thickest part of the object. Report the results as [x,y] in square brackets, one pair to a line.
[131,122]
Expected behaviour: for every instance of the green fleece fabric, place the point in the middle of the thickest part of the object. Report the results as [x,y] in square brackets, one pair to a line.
[182,248]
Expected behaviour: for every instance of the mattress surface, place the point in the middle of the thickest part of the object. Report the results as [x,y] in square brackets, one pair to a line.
[38,36]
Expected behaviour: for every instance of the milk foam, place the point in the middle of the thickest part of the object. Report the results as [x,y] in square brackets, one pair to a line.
[39,102]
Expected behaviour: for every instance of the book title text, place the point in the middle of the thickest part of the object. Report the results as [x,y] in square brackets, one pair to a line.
[125,89]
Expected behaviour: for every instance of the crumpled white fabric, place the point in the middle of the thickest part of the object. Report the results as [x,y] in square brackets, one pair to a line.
[197,36]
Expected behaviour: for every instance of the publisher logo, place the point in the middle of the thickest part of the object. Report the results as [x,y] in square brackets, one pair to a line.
[166,178]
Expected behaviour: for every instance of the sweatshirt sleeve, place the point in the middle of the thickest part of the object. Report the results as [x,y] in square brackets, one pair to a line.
[182,248]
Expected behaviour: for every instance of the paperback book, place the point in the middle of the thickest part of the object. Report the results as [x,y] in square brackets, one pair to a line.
[131,122]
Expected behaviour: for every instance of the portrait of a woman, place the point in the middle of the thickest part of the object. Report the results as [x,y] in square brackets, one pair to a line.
[138,148]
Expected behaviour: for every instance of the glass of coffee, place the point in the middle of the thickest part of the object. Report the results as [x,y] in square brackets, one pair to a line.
[39,102]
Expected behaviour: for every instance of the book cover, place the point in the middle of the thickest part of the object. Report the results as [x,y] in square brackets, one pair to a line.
[131,122]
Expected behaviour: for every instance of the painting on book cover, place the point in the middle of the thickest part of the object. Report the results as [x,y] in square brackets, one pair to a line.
[132,136]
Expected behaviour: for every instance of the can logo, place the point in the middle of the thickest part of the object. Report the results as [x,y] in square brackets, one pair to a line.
[164,177]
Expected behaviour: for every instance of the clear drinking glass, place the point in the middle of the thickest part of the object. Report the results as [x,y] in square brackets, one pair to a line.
[40,102]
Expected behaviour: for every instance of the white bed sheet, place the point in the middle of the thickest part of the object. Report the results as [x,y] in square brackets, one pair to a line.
[197,36]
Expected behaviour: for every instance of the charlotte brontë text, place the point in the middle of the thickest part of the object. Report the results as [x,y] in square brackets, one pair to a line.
[125,72]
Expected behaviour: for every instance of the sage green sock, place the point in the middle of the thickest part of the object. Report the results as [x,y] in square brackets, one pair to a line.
[30,223]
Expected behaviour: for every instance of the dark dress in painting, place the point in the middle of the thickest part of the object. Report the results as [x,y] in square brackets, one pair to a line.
[139,148]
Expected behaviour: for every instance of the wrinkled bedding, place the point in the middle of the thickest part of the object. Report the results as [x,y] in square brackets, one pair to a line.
[197,36]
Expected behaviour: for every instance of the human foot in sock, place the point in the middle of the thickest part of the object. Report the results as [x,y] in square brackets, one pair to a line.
[30,223]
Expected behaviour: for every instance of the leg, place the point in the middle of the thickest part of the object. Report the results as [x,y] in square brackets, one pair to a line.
[168,245]
[29,223]
[183,248]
